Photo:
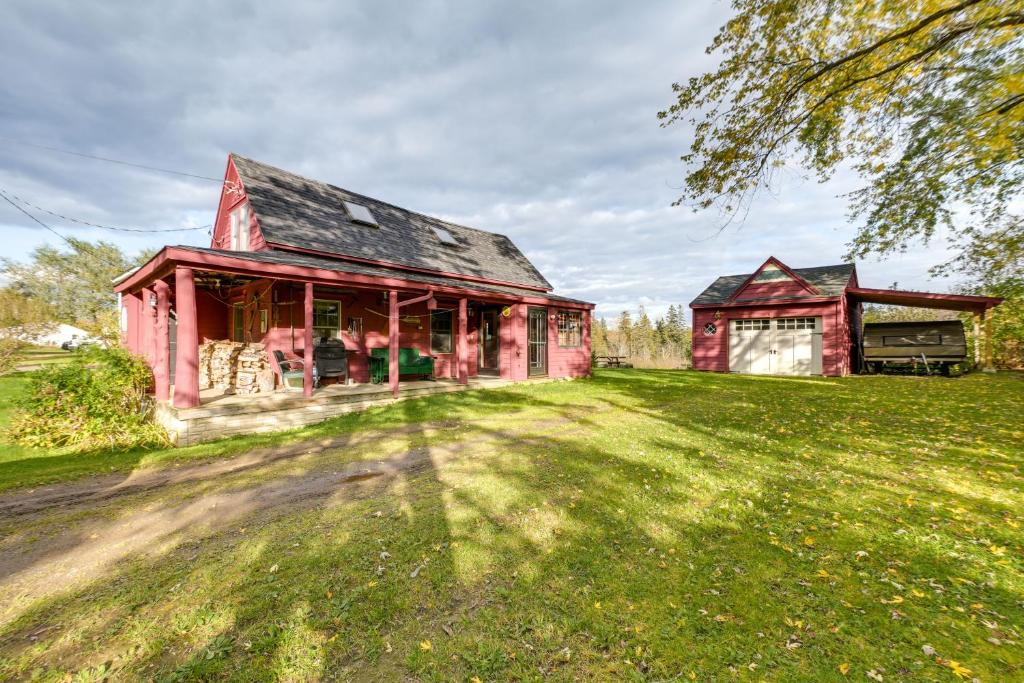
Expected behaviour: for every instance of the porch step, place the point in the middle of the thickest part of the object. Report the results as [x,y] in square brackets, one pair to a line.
[233,415]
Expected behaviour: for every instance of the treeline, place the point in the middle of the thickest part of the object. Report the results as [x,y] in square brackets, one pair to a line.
[661,342]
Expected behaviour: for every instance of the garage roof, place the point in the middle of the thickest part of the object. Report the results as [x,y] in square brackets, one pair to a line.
[829,280]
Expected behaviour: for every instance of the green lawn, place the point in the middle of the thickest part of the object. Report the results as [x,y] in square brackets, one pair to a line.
[642,525]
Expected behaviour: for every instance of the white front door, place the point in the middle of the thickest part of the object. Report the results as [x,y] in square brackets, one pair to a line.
[783,346]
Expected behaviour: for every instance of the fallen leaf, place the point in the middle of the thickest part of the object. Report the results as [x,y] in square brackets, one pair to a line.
[844,668]
[426,646]
[958,670]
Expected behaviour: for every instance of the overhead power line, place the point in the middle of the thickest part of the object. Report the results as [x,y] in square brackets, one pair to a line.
[78,245]
[101,226]
[19,208]
[112,161]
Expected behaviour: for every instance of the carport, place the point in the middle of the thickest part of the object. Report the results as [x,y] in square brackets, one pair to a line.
[980,306]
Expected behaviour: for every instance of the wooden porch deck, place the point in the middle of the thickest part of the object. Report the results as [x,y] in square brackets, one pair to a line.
[220,415]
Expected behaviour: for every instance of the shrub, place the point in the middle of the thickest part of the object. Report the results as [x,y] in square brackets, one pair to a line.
[98,400]
[10,352]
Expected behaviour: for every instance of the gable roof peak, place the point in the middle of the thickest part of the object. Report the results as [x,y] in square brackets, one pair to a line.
[828,281]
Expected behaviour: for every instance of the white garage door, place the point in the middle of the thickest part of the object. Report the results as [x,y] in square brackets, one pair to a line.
[780,346]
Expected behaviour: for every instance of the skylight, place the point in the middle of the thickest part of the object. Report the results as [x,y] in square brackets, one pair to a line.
[445,236]
[360,214]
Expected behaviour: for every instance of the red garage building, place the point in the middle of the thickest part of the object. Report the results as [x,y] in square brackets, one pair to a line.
[801,321]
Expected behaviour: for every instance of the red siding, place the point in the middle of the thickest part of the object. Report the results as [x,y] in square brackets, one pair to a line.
[233,194]
[285,330]
[568,361]
[761,290]
[712,353]
[130,322]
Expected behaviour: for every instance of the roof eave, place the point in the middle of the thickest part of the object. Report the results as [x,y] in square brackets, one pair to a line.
[169,258]
[768,302]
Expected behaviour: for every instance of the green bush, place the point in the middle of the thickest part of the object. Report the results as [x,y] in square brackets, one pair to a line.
[98,400]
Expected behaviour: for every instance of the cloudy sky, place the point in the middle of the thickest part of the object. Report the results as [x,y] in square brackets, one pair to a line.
[537,120]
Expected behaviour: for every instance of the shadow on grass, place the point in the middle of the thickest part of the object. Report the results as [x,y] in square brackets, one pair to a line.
[636,526]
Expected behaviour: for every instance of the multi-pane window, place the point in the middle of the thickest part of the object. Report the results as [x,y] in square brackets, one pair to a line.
[570,328]
[750,324]
[710,329]
[326,319]
[795,324]
[240,228]
[441,332]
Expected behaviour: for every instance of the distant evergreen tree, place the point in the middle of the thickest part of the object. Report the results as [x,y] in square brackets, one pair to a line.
[625,334]
[643,336]
[598,336]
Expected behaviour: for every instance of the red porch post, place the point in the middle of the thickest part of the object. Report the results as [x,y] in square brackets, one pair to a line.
[393,342]
[162,342]
[462,355]
[307,342]
[146,325]
[186,363]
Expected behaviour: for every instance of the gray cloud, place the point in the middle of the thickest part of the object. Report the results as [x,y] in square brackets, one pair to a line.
[532,119]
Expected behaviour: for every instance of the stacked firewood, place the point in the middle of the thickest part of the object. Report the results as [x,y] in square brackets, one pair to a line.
[253,371]
[205,354]
[224,364]
[235,367]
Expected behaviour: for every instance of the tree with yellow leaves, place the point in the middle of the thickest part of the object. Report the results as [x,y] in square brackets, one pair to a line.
[924,98]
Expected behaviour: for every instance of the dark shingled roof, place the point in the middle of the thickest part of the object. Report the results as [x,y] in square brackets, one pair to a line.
[300,212]
[291,258]
[829,280]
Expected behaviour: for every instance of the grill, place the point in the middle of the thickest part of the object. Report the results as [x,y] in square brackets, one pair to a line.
[331,359]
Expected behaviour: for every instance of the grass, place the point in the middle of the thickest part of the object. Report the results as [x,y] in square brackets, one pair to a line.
[643,525]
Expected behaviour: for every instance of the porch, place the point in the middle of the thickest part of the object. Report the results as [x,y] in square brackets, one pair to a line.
[222,414]
[286,305]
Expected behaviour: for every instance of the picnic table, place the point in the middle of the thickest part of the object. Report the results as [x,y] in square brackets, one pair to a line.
[613,362]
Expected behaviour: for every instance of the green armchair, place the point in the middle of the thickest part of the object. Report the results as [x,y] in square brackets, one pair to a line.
[410,362]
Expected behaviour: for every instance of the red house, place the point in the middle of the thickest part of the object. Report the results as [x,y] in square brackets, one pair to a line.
[800,321]
[295,261]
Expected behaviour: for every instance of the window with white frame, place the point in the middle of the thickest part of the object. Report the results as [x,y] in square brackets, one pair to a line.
[326,319]
[570,328]
[795,324]
[239,220]
[751,324]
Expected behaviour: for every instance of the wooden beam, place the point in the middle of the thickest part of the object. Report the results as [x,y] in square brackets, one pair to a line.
[186,357]
[162,341]
[986,357]
[307,342]
[977,340]
[428,297]
[393,369]
[461,348]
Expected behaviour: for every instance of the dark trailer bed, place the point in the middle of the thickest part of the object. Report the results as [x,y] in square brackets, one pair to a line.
[934,341]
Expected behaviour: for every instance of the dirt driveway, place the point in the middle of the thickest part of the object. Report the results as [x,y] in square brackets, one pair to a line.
[57,537]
